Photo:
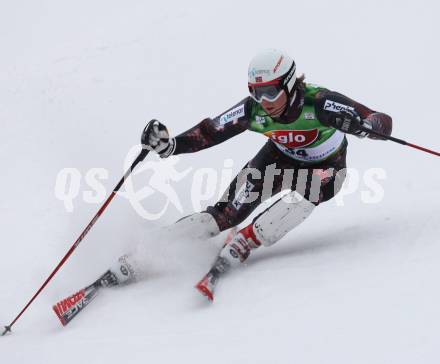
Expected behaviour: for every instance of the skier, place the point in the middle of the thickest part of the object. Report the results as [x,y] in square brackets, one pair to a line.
[306,126]
[306,154]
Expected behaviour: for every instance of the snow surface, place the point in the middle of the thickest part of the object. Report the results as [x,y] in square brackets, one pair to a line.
[79,79]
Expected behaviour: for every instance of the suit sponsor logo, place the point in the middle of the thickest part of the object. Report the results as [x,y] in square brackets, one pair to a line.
[309,116]
[293,138]
[242,194]
[231,115]
[336,106]
[260,119]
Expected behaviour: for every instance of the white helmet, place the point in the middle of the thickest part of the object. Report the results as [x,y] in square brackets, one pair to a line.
[272,67]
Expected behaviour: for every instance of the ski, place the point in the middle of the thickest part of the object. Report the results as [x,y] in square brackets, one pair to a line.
[207,284]
[68,308]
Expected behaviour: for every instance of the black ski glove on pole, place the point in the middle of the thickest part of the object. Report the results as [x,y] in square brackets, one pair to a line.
[156,137]
[350,122]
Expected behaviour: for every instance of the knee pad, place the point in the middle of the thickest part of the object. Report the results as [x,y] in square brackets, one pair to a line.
[200,225]
[281,217]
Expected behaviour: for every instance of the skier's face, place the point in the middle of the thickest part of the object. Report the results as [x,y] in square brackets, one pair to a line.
[276,107]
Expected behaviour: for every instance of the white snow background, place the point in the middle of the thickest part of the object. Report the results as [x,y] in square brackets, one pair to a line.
[78,82]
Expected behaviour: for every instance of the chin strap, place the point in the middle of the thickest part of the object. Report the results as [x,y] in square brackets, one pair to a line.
[294,102]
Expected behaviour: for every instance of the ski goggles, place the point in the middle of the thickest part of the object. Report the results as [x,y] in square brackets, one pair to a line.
[269,91]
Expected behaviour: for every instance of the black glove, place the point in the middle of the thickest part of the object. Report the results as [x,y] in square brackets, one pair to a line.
[350,122]
[156,137]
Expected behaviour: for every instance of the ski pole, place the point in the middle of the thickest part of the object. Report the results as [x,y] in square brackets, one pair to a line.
[400,141]
[139,159]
